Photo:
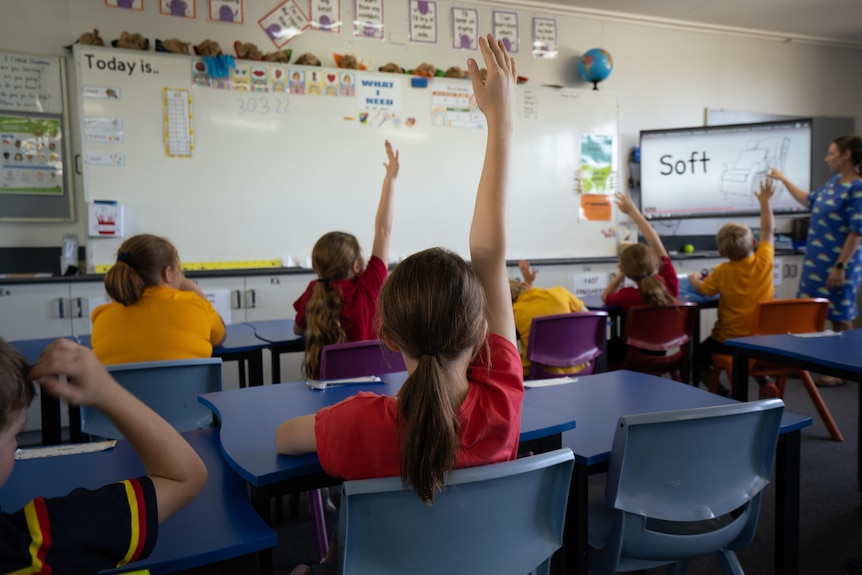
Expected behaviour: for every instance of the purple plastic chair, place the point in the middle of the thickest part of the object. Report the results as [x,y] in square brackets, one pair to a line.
[566,340]
[358,358]
[339,361]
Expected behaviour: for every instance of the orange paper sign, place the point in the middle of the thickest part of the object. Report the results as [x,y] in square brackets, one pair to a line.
[595,208]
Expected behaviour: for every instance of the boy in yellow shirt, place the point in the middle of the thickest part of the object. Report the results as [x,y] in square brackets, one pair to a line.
[529,302]
[742,282]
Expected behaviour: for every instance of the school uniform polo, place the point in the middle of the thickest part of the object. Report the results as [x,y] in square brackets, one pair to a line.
[742,284]
[628,296]
[358,437]
[83,532]
[164,324]
[359,297]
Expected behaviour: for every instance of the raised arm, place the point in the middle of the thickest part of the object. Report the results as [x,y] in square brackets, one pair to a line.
[798,193]
[178,474]
[627,206]
[496,99]
[527,272]
[383,221]
[767,220]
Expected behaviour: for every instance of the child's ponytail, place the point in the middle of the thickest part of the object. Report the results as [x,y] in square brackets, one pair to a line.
[640,263]
[323,318]
[141,260]
[654,292]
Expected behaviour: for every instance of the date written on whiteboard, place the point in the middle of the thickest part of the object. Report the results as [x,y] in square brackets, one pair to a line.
[262,106]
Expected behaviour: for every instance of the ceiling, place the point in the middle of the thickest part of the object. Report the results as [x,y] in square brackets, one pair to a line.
[826,21]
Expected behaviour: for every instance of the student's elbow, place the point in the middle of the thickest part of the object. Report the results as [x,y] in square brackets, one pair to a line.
[296,436]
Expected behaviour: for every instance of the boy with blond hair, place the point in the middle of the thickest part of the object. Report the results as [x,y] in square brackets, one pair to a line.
[742,282]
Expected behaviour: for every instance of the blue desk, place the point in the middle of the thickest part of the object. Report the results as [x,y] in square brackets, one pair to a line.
[596,402]
[837,355]
[219,524]
[242,345]
[278,333]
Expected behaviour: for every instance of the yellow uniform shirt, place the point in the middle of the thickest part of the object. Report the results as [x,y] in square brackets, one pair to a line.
[536,302]
[164,324]
[742,284]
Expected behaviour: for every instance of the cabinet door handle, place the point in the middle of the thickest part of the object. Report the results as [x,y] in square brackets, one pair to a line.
[80,302]
[61,308]
[238,299]
[251,298]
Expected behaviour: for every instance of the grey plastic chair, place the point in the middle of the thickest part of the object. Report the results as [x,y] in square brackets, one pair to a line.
[504,518]
[682,484]
[170,388]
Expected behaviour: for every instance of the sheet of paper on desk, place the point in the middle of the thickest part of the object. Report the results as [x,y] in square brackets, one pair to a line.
[549,382]
[315,384]
[54,450]
[824,333]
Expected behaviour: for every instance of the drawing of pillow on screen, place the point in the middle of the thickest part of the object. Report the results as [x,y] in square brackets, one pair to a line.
[743,177]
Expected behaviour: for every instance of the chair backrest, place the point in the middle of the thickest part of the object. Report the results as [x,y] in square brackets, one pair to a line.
[503,518]
[566,340]
[170,388]
[660,328]
[687,482]
[359,358]
[795,315]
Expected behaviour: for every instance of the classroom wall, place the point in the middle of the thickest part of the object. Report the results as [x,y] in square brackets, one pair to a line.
[665,75]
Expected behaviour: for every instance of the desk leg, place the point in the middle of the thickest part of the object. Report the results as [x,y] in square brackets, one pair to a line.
[261,498]
[276,364]
[787,503]
[50,409]
[575,539]
[740,376]
[255,369]
[242,380]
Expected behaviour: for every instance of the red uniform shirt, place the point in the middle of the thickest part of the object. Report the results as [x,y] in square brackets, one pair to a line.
[359,295]
[357,438]
[629,296]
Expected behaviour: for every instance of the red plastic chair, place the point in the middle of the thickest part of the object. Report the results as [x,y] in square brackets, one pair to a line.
[796,315]
[566,340]
[359,358]
[658,339]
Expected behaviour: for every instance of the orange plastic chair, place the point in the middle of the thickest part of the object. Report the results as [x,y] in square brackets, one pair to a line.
[799,315]
[650,332]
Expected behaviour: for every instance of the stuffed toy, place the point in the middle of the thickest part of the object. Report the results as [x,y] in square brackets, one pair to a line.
[131,42]
[247,51]
[425,69]
[392,68]
[307,59]
[208,48]
[279,57]
[91,38]
[454,72]
[348,62]
[173,45]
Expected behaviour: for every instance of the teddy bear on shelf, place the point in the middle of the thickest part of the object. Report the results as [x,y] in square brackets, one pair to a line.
[132,41]
[392,68]
[454,72]
[91,38]
[247,51]
[425,69]
[307,59]
[173,45]
[208,48]
[279,57]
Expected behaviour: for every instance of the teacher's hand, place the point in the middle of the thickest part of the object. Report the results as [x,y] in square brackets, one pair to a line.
[835,279]
[775,174]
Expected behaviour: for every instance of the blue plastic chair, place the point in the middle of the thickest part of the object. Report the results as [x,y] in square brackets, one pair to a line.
[504,518]
[170,388]
[682,484]
[566,340]
[358,358]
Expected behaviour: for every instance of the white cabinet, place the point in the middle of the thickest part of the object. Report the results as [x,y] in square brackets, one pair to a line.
[29,311]
[272,297]
[235,285]
[84,297]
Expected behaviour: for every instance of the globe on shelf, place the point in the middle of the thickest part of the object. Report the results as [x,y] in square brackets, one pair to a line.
[595,66]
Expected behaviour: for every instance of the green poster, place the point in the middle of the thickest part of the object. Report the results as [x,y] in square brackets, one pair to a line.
[597,154]
[31,155]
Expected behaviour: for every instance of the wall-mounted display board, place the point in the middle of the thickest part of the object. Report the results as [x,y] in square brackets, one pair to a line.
[259,163]
[34,151]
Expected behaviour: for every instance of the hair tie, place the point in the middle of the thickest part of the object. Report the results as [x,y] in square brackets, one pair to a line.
[122,256]
[637,279]
[433,354]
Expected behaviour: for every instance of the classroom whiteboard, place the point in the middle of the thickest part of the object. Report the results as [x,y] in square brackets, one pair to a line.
[264,174]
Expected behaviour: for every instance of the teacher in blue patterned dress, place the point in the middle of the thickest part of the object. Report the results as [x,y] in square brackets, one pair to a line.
[832,266]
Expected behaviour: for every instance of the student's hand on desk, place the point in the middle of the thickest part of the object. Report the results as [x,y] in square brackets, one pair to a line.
[392,165]
[86,381]
[496,95]
[696,280]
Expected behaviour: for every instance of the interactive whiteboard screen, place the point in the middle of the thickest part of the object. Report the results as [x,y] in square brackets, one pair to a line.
[714,171]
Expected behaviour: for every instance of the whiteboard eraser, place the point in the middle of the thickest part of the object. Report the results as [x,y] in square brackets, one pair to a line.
[419,82]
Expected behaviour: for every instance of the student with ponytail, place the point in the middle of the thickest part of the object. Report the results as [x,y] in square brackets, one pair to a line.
[452,321]
[648,266]
[157,313]
[341,303]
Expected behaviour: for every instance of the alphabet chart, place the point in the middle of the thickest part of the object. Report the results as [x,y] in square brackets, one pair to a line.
[179,130]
